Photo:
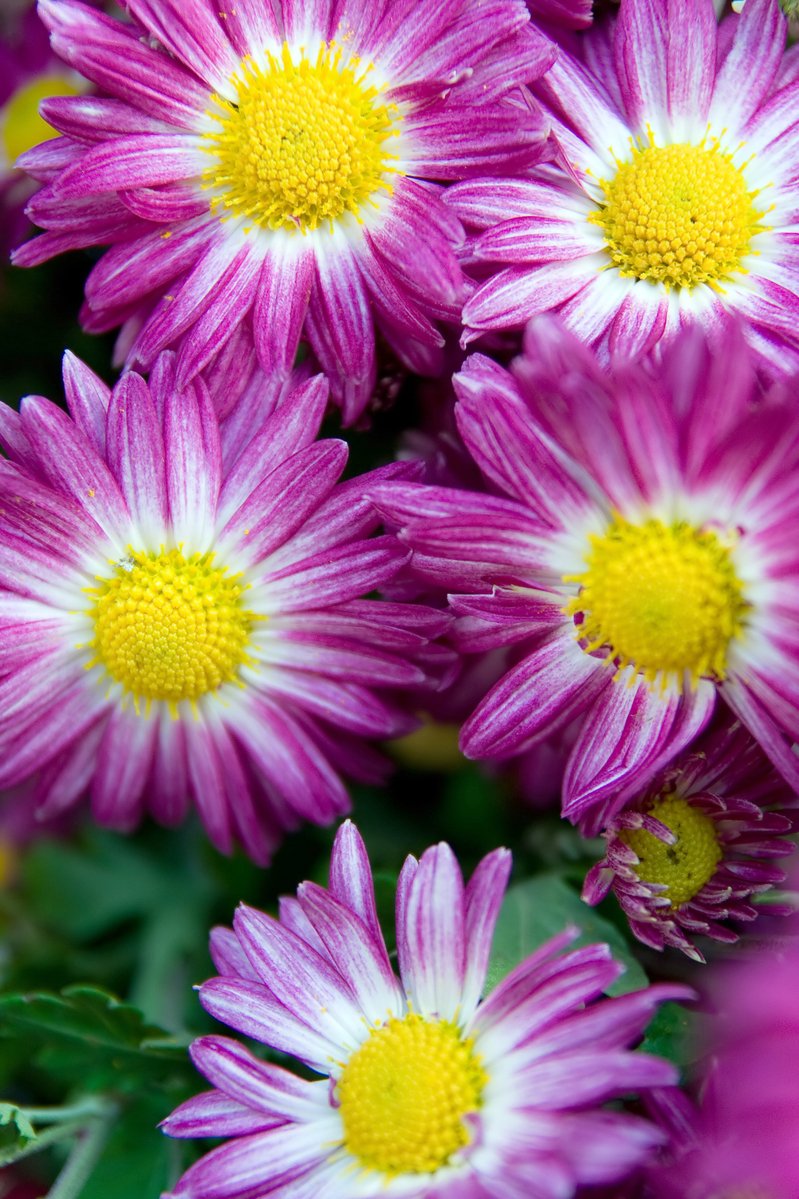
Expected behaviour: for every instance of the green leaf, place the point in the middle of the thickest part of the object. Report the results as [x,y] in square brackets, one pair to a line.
[88,1034]
[671,1034]
[539,908]
[109,880]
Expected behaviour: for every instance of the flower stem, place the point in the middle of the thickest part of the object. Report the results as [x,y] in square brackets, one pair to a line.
[84,1157]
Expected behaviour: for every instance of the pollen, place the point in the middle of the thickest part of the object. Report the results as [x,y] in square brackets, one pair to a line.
[405,1093]
[304,143]
[663,598]
[684,867]
[679,215]
[169,627]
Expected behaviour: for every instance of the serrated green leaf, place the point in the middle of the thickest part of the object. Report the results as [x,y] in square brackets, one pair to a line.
[539,908]
[88,1032]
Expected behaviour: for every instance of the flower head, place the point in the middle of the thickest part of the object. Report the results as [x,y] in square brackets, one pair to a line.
[743,1135]
[181,611]
[686,856]
[422,1089]
[29,72]
[282,162]
[674,200]
[641,556]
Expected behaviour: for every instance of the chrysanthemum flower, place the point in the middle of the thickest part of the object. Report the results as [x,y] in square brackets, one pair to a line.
[180,612]
[687,855]
[742,1139]
[281,160]
[424,1089]
[29,72]
[678,200]
[642,556]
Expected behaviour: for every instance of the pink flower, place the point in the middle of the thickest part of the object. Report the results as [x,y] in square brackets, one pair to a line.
[419,1087]
[281,162]
[641,555]
[182,613]
[686,855]
[673,200]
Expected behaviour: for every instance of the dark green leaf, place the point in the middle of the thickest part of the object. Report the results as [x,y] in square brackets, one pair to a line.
[87,1034]
[539,908]
[670,1034]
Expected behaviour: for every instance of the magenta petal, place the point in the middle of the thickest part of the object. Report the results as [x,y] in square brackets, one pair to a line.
[71,465]
[136,454]
[209,784]
[281,303]
[281,504]
[123,765]
[290,429]
[213,1114]
[484,894]
[142,160]
[758,50]
[666,60]
[193,464]
[253,1166]
[432,950]
[226,310]
[249,1008]
[341,331]
[270,1089]
[360,958]
[87,398]
[114,56]
[631,732]
[556,682]
[351,876]
[764,729]
[189,30]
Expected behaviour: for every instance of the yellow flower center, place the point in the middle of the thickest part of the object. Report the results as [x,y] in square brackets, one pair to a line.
[22,127]
[685,867]
[662,598]
[304,143]
[170,628]
[404,1095]
[678,215]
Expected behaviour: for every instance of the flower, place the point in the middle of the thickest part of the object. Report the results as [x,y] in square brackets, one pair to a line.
[675,201]
[642,557]
[422,1089]
[744,1131]
[28,73]
[283,160]
[685,856]
[181,610]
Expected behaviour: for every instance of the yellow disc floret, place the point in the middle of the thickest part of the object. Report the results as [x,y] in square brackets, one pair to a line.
[304,143]
[169,627]
[664,599]
[22,126]
[684,867]
[404,1095]
[678,215]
